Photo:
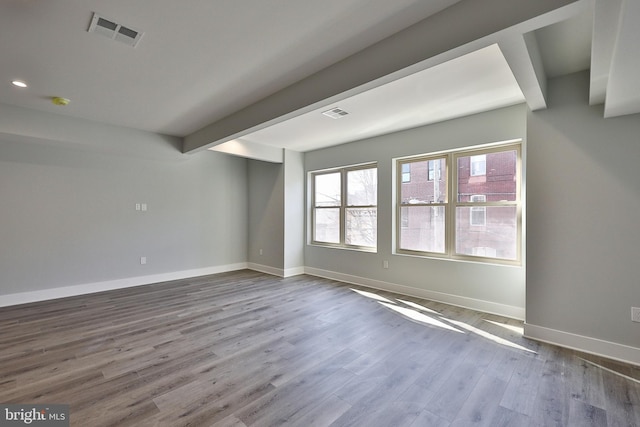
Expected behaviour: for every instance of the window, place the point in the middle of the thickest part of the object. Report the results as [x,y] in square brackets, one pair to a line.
[478,214]
[406,172]
[462,205]
[478,165]
[345,207]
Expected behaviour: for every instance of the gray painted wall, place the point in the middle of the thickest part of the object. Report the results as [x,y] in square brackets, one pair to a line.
[276,214]
[497,284]
[266,213]
[583,207]
[68,190]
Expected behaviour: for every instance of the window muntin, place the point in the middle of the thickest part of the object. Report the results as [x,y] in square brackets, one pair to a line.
[345,207]
[479,220]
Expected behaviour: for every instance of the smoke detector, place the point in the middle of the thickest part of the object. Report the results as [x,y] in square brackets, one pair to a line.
[109,28]
[335,113]
[57,100]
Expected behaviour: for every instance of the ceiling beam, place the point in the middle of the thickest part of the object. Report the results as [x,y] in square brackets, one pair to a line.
[606,20]
[623,84]
[251,150]
[523,56]
[434,40]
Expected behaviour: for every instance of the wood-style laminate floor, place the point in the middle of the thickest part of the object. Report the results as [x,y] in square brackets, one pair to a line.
[249,349]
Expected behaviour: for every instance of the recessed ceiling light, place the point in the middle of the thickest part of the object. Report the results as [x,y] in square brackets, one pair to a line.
[19,83]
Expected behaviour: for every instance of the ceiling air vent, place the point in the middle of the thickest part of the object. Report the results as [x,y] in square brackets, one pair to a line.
[335,113]
[111,29]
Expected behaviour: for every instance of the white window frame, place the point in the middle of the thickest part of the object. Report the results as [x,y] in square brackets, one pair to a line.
[343,206]
[451,203]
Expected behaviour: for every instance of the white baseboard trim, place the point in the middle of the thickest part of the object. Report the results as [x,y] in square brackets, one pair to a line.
[598,347]
[90,288]
[266,269]
[295,271]
[510,311]
[287,272]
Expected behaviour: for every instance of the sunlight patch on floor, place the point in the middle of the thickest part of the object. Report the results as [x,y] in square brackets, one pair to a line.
[372,295]
[417,306]
[489,336]
[420,317]
[427,316]
[517,329]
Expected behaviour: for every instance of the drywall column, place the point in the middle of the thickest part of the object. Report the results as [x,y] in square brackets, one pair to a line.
[293,213]
[583,190]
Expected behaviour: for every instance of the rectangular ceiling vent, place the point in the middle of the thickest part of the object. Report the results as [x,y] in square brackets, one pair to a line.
[335,113]
[114,31]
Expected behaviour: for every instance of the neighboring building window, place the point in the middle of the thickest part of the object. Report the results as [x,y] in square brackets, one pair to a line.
[478,165]
[455,214]
[345,207]
[406,172]
[478,214]
[404,218]
[434,171]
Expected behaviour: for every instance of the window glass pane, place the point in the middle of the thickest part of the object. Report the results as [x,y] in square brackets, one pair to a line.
[362,187]
[495,238]
[327,225]
[327,189]
[361,227]
[424,230]
[428,183]
[497,182]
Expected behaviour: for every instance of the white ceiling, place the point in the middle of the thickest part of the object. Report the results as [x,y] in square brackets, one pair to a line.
[476,82]
[202,62]
[197,61]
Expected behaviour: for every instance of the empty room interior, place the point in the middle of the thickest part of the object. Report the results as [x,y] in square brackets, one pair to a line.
[338,213]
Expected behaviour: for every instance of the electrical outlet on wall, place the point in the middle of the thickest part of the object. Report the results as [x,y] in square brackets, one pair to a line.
[635,314]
